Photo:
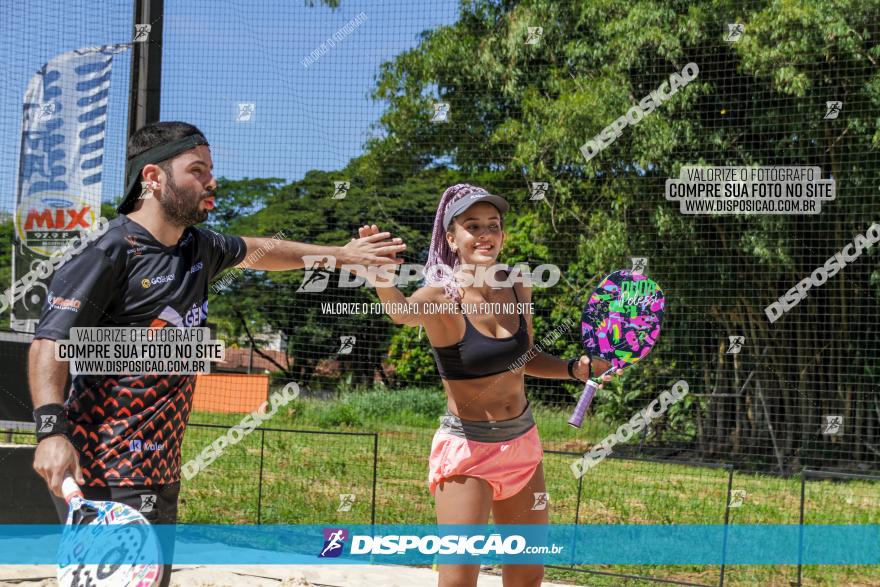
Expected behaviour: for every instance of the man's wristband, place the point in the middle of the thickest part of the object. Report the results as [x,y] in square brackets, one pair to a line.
[51,420]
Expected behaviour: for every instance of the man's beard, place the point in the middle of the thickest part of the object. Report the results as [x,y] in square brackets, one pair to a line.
[182,207]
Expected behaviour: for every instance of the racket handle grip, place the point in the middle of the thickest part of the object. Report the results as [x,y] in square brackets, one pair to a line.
[69,488]
[577,418]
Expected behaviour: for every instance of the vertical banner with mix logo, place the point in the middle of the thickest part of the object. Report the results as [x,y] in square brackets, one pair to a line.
[58,198]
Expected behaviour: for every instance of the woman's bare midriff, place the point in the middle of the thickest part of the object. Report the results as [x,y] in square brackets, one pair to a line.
[496,397]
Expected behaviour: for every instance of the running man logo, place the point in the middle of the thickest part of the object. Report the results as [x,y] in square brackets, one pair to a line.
[535,34]
[735,32]
[737,498]
[334,541]
[441,112]
[245,112]
[47,111]
[40,112]
[346,500]
[148,502]
[141,33]
[146,190]
[346,344]
[833,426]
[832,109]
[541,501]
[538,190]
[340,189]
[735,344]
[47,423]
[317,276]
[639,264]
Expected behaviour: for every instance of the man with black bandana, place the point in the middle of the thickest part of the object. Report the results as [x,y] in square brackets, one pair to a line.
[119,436]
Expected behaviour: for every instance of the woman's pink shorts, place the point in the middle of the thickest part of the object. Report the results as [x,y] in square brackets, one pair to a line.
[506,466]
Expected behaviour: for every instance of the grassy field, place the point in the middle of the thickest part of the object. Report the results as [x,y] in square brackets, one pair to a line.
[304,474]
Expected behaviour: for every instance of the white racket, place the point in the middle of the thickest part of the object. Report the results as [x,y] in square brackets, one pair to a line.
[84,560]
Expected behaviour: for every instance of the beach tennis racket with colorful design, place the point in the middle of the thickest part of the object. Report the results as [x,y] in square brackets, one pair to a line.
[113,566]
[620,324]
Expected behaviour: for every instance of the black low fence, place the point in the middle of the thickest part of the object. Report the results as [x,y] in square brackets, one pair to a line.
[287,476]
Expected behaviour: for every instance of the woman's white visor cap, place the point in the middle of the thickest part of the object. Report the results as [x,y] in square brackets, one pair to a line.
[469,200]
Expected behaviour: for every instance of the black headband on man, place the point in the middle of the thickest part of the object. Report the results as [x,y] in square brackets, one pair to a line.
[135,165]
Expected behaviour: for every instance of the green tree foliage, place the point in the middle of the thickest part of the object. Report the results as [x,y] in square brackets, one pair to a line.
[524,110]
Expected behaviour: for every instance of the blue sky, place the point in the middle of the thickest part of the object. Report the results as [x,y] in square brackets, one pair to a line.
[218,53]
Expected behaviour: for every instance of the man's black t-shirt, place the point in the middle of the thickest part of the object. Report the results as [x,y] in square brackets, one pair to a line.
[128,278]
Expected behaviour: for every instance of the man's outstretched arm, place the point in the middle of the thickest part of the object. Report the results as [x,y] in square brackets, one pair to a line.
[269,254]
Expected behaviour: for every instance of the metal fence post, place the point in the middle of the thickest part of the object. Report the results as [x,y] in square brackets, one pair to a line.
[260,481]
[726,523]
[375,474]
[801,529]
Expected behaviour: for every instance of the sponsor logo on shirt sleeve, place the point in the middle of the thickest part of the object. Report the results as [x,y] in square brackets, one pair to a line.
[66,304]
